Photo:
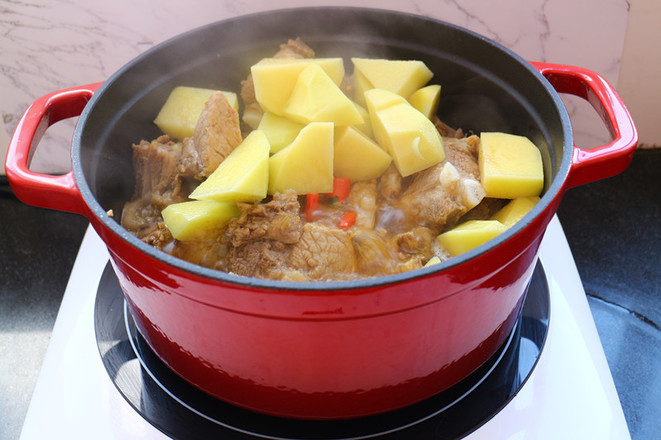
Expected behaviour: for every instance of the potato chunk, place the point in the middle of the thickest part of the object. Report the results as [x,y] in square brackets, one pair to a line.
[510,166]
[305,165]
[360,86]
[426,99]
[194,219]
[358,157]
[252,115]
[515,210]
[242,176]
[380,99]
[406,134]
[470,235]
[398,76]
[280,131]
[316,98]
[275,78]
[178,116]
[366,126]
[432,261]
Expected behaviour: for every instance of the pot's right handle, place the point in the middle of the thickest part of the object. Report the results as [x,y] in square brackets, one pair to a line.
[591,164]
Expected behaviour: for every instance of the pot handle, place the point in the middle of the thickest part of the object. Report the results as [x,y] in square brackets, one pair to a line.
[591,164]
[58,192]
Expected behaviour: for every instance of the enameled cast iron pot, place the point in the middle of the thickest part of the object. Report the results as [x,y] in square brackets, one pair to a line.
[338,349]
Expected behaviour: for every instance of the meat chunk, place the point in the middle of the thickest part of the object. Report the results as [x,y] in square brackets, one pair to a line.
[375,254]
[390,183]
[269,240]
[157,185]
[445,130]
[416,242]
[277,220]
[378,254]
[438,196]
[139,216]
[294,49]
[485,209]
[323,252]
[363,198]
[259,241]
[155,163]
[248,92]
[463,154]
[216,134]
[261,259]
[158,236]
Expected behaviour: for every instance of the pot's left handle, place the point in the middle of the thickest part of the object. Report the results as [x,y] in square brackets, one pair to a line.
[591,164]
[58,192]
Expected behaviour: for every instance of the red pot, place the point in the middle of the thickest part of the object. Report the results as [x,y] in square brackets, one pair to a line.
[338,349]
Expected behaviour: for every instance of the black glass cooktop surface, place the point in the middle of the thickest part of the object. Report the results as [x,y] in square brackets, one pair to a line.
[181,411]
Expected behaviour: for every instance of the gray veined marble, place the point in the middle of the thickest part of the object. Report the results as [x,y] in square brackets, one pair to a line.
[49,45]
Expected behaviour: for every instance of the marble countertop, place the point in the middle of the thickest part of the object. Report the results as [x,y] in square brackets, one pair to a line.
[49,45]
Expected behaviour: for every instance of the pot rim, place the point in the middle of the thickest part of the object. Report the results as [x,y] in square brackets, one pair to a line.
[554,189]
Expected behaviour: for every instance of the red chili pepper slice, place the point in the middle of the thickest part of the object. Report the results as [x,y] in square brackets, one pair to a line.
[311,205]
[341,188]
[348,220]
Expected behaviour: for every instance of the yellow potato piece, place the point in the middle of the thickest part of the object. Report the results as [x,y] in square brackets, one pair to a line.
[378,99]
[399,76]
[252,115]
[360,86]
[515,210]
[275,78]
[178,116]
[510,166]
[358,157]
[426,100]
[316,98]
[197,218]
[432,261]
[305,165]
[280,131]
[470,235]
[366,126]
[242,176]
[407,135]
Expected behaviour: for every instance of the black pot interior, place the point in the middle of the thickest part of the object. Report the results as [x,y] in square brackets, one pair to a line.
[484,86]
